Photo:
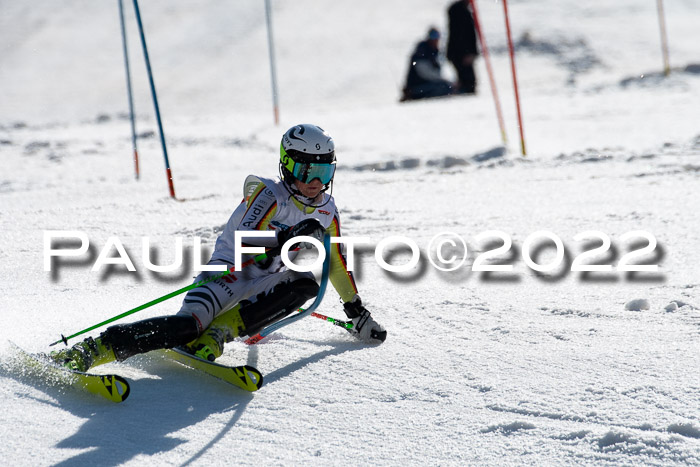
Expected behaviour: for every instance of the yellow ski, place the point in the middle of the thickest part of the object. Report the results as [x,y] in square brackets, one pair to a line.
[112,387]
[244,376]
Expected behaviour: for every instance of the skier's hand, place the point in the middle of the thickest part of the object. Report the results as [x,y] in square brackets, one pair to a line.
[365,327]
[307,227]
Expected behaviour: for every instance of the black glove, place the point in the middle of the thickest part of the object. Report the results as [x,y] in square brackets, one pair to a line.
[307,227]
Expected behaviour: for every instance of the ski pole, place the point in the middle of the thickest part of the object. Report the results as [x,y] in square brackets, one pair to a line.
[343,324]
[260,257]
[347,325]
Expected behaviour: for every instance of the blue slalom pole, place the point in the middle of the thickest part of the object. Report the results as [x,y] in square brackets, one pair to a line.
[128,89]
[155,100]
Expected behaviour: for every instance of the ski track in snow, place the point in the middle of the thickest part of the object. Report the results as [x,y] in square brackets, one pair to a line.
[478,368]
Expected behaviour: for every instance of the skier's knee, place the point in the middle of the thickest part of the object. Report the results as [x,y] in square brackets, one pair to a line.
[277,303]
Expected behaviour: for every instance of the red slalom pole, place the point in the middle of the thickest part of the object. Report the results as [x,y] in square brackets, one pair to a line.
[515,79]
[487,59]
[136,163]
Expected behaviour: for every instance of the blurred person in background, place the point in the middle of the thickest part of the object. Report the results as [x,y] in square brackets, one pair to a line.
[461,45]
[424,78]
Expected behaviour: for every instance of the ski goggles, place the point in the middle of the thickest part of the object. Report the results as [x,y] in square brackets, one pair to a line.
[306,172]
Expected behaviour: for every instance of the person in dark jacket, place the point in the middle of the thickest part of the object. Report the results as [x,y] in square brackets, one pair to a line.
[424,75]
[461,45]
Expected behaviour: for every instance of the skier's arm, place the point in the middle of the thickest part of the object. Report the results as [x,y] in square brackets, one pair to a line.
[365,327]
[261,208]
[342,279]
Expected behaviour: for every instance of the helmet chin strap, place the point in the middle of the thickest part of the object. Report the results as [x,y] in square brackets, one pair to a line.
[305,200]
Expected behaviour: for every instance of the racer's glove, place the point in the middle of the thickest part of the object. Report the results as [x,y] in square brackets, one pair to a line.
[365,327]
[307,227]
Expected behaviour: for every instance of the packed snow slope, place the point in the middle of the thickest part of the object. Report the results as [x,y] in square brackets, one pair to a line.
[516,367]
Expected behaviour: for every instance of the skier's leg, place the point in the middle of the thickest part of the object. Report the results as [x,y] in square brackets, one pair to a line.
[199,308]
[207,301]
[165,332]
[272,306]
[122,341]
[271,298]
[467,78]
[125,340]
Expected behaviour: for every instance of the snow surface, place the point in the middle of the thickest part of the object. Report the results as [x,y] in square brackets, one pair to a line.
[499,368]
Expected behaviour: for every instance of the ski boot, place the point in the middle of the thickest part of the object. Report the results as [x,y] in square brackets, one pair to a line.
[249,318]
[225,327]
[84,355]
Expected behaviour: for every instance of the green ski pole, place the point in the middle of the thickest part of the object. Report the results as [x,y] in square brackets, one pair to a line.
[343,324]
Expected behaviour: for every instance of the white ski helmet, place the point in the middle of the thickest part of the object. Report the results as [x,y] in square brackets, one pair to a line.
[307,152]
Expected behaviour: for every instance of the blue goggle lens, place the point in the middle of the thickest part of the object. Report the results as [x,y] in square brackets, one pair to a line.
[305,173]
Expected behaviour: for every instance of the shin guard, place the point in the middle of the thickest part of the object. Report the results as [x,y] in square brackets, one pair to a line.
[150,334]
[276,304]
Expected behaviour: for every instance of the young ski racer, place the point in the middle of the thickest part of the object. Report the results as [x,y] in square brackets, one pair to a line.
[245,301]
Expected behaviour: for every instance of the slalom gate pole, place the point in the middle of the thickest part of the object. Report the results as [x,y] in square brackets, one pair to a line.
[273,64]
[515,79]
[664,38]
[492,81]
[128,89]
[65,339]
[155,99]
